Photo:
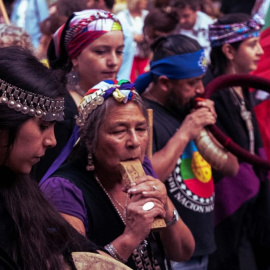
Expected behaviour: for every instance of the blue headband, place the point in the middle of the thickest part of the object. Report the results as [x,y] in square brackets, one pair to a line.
[178,67]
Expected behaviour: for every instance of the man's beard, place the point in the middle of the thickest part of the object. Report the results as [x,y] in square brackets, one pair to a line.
[181,110]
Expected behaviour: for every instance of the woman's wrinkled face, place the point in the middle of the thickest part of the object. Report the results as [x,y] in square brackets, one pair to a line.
[100,60]
[122,136]
[31,142]
[247,56]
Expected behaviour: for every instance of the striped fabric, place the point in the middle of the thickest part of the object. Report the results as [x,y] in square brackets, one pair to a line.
[82,29]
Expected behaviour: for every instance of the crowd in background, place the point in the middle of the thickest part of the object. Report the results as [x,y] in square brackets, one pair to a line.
[40,19]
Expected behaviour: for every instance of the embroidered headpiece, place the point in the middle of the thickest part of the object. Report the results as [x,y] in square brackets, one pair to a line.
[32,104]
[178,67]
[220,34]
[82,29]
[121,90]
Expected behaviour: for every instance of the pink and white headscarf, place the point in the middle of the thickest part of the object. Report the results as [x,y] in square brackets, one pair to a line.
[82,29]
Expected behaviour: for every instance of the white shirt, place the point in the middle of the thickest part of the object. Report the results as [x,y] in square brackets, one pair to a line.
[22,13]
[200,32]
[132,25]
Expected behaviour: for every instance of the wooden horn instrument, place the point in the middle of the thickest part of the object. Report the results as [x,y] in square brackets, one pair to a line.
[131,171]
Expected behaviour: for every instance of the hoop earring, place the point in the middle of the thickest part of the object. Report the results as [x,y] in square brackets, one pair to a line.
[90,166]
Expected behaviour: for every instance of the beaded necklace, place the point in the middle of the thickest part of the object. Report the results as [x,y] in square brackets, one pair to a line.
[140,255]
[112,200]
[246,116]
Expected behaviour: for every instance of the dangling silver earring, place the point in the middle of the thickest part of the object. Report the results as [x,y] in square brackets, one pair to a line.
[90,166]
[73,80]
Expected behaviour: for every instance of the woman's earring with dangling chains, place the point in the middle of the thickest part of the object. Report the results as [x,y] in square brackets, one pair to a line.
[90,166]
[73,82]
[73,78]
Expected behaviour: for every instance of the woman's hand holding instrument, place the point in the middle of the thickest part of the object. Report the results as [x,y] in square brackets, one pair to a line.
[132,172]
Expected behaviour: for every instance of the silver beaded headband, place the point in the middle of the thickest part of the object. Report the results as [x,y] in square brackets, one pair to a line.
[89,104]
[32,104]
[122,92]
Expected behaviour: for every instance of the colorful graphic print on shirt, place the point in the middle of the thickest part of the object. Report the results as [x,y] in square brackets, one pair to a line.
[191,182]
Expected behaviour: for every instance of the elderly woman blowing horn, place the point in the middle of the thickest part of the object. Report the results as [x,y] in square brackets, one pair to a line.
[90,193]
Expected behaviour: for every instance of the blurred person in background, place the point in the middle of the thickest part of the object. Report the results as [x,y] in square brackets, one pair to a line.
[12,35]
[132,20]
[159,22]
[48,27]
[260,7]
[193,22]
[28,14]
[262,98]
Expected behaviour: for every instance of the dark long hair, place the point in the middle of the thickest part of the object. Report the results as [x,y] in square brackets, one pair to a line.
[219,61]
[39,238]
[62,62]
[19,68]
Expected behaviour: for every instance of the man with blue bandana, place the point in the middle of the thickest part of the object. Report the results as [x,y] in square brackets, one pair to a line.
[174,80]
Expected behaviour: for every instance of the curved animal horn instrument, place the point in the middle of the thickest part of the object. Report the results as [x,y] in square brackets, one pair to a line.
[220,83]
[213,153]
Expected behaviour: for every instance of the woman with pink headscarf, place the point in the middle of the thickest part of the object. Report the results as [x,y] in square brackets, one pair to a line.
[89,46]
[88,49]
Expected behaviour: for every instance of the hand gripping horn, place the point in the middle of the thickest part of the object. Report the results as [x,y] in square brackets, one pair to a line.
[231,80]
